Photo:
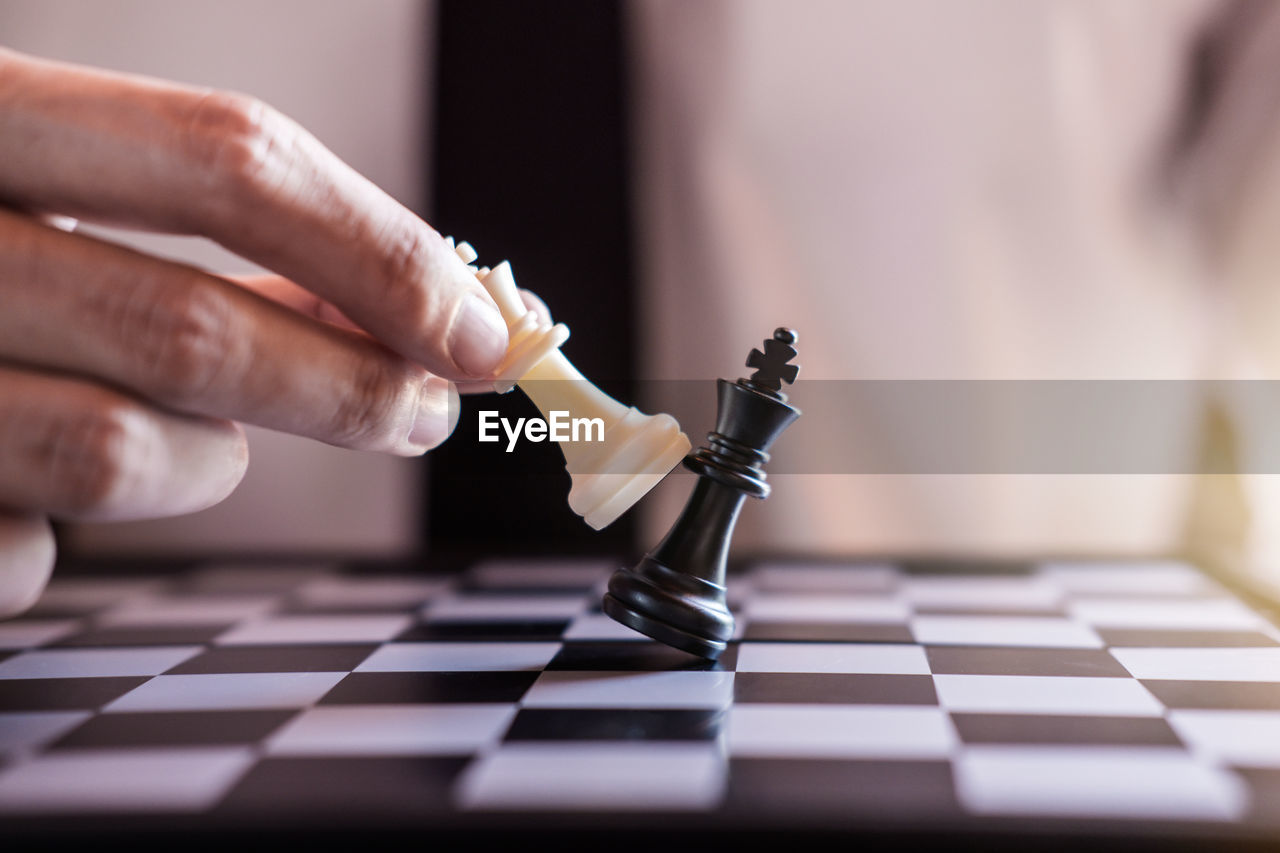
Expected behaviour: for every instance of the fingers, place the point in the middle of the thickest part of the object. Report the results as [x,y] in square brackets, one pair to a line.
[442,406]
[134,151]
[534,303]
[199,344]
[279,289]
[26,561]
[72,449]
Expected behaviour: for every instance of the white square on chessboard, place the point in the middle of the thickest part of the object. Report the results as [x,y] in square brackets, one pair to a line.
[99,663]
[486,607]
[29,729]
[840,731]
[168,611]
[1136,578]
[89,594]
[812,607]
[1230,664]
[869,658]
[25,633]
[1041,694]
[596,776]
[1022,631]
[393,730]
[541,573]
[315,629]
[988,593]
[1207,614]
[816,577]
[1240,738]
[1098,782]
[459,657]
[678,689]
[406,591]
[155,780]
[598,626]
[223,691]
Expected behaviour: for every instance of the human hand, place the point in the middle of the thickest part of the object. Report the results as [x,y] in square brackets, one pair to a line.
[123,376]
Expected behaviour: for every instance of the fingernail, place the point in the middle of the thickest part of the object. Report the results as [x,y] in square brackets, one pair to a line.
[437,415]
[478,338]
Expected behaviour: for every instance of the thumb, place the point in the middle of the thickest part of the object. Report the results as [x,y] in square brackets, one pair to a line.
[26,561]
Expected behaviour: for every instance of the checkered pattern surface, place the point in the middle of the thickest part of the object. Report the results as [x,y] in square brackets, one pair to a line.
[1138,694]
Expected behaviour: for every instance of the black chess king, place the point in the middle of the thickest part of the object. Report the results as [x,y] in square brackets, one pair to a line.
[677,593]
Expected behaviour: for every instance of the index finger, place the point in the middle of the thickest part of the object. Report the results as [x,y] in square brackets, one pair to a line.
[134,151]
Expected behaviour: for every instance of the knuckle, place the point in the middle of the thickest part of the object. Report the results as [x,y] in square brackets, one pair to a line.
[183,338]
[235,139]
[401,248]
[365,412]
[92,458]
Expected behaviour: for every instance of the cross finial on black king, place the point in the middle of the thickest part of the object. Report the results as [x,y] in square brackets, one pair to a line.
[677,592]
[773,366]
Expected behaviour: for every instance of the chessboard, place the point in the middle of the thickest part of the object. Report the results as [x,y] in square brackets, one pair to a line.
[1070,700]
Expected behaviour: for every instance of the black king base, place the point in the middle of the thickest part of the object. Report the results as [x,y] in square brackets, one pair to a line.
[676,594]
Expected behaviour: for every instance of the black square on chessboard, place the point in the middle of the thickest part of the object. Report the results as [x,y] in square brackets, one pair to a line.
[174,728]
[830,787]
[177,635]
[991,660]
[637,656]
[302,607]
[1061,729]
[346,788]
[1183,639]
[828,632]
[64,694]
[823,688]
[978,568]
[616,724]
[1264,784]
[496,632]
[412,688]
[1224,695]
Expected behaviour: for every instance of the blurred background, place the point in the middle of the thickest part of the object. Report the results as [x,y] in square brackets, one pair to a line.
[925,190]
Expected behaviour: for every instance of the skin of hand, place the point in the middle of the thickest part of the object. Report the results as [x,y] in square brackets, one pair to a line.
[123,377]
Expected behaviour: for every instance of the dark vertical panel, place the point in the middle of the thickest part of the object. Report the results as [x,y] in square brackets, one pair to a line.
[530,166]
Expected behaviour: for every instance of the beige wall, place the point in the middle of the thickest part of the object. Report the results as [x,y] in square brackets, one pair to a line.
[354,74]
